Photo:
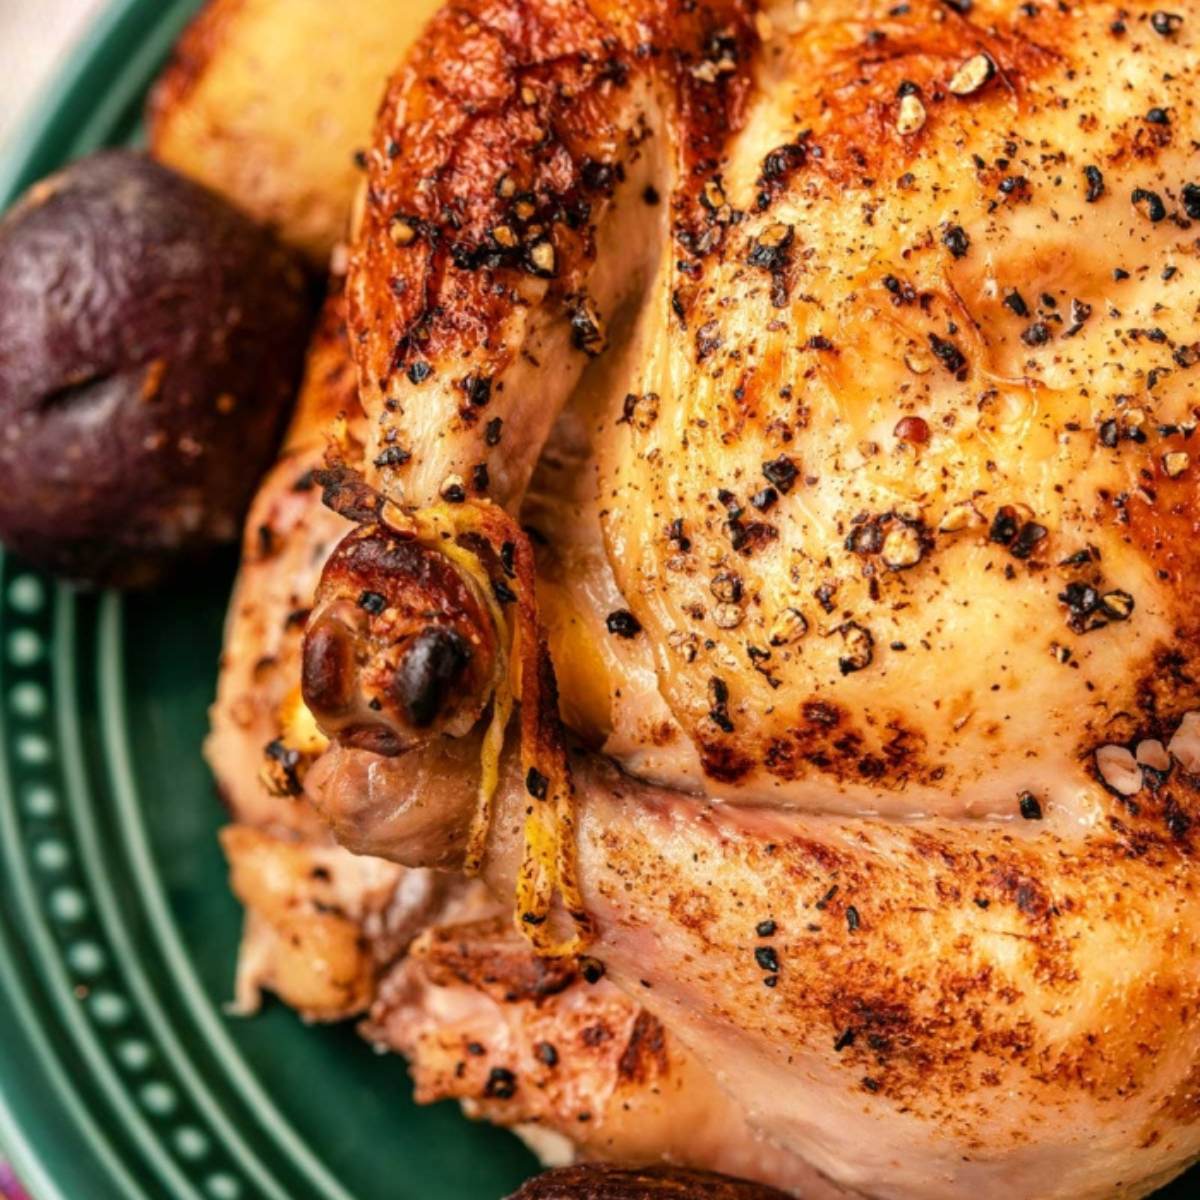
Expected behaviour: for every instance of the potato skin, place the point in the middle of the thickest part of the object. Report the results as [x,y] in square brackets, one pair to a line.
[266,102]
[593,1181]
[151,339]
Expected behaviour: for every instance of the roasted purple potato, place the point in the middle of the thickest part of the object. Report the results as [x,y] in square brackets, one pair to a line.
[596,1182]
[151,341]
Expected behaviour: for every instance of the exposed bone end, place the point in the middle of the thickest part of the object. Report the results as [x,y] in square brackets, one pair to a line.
[399,647]
[414,809]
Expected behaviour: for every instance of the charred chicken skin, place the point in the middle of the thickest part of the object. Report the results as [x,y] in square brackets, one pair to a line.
[833,366]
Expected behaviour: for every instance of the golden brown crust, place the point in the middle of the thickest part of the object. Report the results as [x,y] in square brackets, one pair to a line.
[497,152]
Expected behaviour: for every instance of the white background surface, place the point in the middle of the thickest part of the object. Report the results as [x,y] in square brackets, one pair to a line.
[35,36]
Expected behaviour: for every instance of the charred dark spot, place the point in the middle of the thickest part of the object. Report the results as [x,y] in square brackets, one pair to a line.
[327,673]
[432,665]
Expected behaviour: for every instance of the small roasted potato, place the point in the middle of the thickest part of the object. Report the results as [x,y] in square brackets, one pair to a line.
[266,102]
[593,1181]
[151,340]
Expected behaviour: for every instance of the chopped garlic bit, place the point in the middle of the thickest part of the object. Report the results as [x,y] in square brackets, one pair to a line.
[1185,745]
[1153,754]
[1119,769]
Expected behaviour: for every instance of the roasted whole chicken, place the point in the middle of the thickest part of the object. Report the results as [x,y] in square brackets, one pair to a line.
[760,540]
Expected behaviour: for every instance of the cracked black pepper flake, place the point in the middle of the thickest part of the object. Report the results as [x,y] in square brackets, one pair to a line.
[393,456]
[623,623]
[1027,539]
[718,699]
[1015,303]
[478,389]
[1095,183]
[1031,808]
[1191,200]
[1037,334]
[949,355]
[501,1084]
[1158,116]
[546,1053]
[859,648]
[587,329]
[1165,24]
[492,431]
[767,959]
[419,371]
[288,761]
[503,592]
[372,602]
[852,918]
[1080,314]
[536,784]
[769,251]
[1110,433]
[1082,601]
[844,1039]
[782,472]
[1149,204]
[765,929]
[1005,526]
[765,499]
[592,969]
[955,239]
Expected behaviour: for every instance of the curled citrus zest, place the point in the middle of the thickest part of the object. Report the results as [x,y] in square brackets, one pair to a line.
[549,865]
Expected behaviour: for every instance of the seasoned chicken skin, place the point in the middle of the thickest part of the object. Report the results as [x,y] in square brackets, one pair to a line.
[870,333]
[332,933]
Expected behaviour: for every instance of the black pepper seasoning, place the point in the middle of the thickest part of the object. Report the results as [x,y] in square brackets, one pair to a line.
[372,602]
[1015,303]
[782,472]
[1149,204]
[501,1084]
[767,959]
[623,623]
[1031,808]
[955,239]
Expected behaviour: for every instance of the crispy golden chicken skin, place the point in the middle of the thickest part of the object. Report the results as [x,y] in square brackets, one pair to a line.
[428,960]
[860,340]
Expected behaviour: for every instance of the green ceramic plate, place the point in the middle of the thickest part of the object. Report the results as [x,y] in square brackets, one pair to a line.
[120,1075]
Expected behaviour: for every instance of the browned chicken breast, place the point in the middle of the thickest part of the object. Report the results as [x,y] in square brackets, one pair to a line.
[840,359]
